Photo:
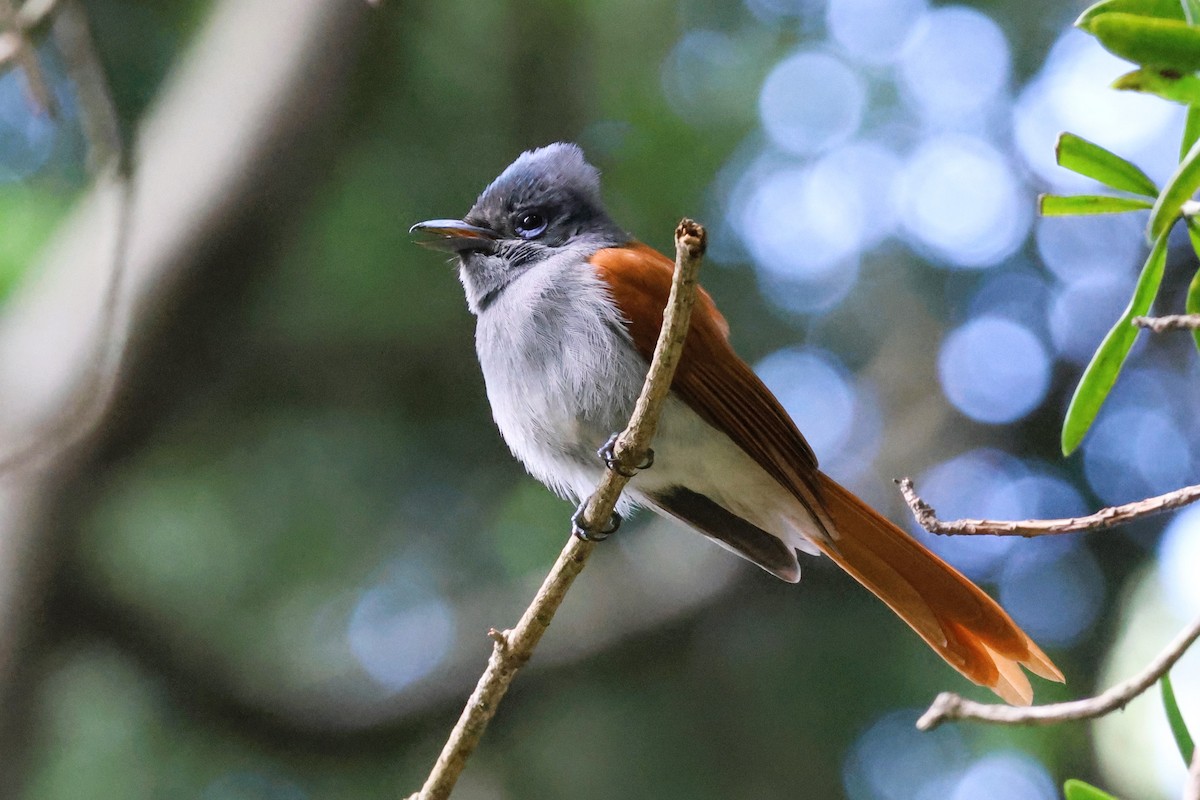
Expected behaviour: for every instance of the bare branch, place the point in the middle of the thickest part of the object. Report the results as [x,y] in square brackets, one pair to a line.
[950,706]
[1104,518]
[514,647]
[109,162]
[26,20]
[1172,322]
[25,57]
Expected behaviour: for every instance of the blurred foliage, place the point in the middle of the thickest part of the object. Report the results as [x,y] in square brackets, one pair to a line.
[1179,728]
[30,214]
[1075,789]
[138,43]
[1156,35]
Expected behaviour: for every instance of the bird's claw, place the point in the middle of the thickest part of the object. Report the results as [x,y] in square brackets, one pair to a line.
[608,454]
[581,531]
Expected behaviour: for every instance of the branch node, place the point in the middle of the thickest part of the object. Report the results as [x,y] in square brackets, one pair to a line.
[500,638]
[1170,322]
[693,237]
[1108,517]
[924,513]
[944,706]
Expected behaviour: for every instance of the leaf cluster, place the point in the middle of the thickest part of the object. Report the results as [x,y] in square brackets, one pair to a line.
[1162,37]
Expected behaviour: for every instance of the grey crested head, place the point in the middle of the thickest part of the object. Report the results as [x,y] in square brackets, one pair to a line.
[545,202]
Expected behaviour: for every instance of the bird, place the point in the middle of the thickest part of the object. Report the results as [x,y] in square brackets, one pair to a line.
[568,308]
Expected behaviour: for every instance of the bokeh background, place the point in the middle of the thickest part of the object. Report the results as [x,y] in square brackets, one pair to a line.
[269,572]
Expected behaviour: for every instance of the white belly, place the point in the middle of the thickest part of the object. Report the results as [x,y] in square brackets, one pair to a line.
[561,372]
[562,375]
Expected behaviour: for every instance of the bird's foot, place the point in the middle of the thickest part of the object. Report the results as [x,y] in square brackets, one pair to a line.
[608,454]
[580,529]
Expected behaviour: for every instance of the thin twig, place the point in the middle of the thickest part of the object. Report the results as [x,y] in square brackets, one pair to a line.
[1104,518]
[109,161]
[950,706]
[514,647]
[1171,322]
[24,55]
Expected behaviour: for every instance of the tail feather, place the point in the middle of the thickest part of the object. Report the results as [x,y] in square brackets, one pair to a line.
[955,617]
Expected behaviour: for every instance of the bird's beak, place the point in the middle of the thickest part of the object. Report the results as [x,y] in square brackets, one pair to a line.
[453,236]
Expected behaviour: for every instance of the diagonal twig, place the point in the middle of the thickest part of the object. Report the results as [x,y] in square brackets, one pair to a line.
[514,647]
[19,50]
[1170,322]
[1104,518]
[109,162]
[950,706]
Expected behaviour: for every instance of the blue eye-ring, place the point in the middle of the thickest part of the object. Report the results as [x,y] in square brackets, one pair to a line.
[529,224]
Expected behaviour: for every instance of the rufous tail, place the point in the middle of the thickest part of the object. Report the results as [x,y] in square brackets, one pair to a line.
[954,616]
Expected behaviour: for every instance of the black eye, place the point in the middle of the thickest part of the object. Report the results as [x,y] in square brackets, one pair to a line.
[529,224]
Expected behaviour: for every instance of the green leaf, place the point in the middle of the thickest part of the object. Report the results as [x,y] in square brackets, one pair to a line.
[1166,9]
[27,218]
[1191,131]
[1105,366]
[1088,158]
[1191,11]
[1192,303]
[1168,85]
[1075,789]
[1183,739]
[1163,43]
[1180,188]
[1053,205]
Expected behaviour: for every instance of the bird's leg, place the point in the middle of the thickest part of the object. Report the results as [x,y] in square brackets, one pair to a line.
[608,455]
[580,529]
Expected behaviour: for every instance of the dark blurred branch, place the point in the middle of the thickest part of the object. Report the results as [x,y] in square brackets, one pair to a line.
[513,648]
[206,194]
[208,213]
[950,706]
[106,147]
[1104,518]
[109,162]
[1172,322]
[34,13]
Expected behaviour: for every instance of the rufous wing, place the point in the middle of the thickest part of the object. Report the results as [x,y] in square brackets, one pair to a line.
[956,618]
[714,382]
